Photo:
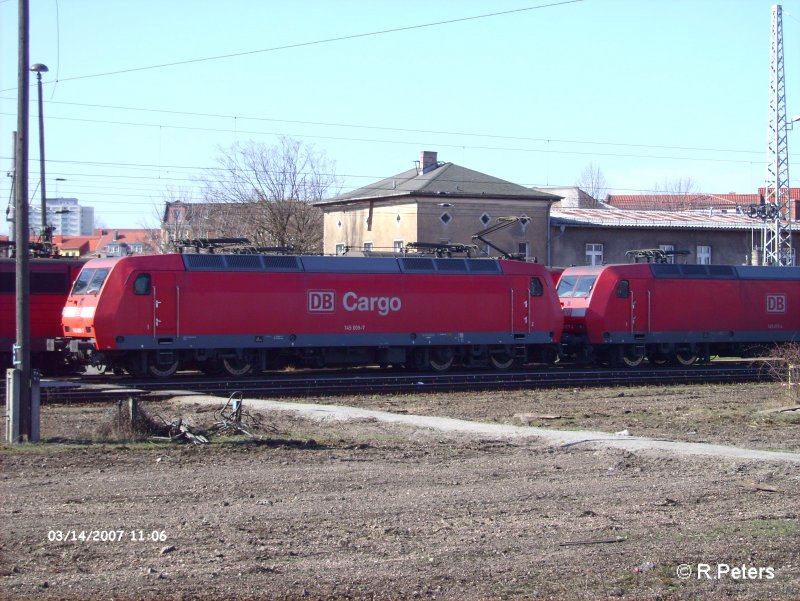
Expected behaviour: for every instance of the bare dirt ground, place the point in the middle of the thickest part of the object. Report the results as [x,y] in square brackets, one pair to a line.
[364,509]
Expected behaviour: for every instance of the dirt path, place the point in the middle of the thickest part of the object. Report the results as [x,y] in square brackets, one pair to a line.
[565,438]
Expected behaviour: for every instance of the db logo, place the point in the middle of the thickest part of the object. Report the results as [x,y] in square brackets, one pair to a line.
[321,301]
[776,303]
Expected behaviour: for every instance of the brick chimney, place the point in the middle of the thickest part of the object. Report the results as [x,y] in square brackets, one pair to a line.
[427,161]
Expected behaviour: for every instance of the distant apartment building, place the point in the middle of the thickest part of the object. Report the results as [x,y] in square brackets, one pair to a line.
[66,215]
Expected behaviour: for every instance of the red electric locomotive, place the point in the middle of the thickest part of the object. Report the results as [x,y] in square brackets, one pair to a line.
[50,282]
[238,313]
[624,313]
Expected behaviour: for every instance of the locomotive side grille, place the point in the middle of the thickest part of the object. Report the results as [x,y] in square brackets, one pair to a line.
[451,265]
[665,270]
[280,263]
[750,272]
[722,271]
[483,266]
[244,262]
[694,271]
[204,262]
[417,264]
[350,264]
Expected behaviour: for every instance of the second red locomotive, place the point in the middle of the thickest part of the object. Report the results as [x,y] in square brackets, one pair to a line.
[239,313]
[667,312]
[50,283]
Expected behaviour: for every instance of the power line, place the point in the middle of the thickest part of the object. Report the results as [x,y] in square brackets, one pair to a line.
[371,127]
[418,142]
[323,41]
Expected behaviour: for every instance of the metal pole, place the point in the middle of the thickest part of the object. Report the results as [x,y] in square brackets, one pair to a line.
[39,68]
[22,351]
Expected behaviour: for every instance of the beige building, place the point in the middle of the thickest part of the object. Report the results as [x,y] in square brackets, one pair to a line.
[439,203]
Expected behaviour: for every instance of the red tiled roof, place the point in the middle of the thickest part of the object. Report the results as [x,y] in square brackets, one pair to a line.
[673,202]
[83,244]
[126,236]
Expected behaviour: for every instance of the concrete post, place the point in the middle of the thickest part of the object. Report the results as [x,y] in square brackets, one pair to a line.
[13,426]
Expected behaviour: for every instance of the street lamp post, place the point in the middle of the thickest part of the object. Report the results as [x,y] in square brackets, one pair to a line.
[47,238]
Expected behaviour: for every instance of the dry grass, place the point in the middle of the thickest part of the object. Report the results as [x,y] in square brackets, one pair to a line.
[121,424]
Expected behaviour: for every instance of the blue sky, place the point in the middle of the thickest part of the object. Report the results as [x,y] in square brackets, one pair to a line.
[647,90]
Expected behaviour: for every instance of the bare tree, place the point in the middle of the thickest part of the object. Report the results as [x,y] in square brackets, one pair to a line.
[676,194]
[275,187]
[593,182]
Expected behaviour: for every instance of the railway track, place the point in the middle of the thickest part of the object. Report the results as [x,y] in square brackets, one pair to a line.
[375,381]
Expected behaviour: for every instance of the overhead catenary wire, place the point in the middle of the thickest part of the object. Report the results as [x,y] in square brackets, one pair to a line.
[437,144]
[355,126]
[321,41]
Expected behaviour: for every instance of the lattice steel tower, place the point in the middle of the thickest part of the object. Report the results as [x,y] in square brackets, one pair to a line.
[777,233]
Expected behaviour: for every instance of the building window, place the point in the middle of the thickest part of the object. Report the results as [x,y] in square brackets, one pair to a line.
[704,255]
[398,246]
[668,248]
[485,219]
[445,218]
[522,249]
[340,248]
[594,254]
[368,246]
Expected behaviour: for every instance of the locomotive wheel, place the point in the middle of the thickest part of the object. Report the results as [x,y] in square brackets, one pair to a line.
[238,366]
[657,358]
[631,358]
[161,370]
[441,358]
[685,358]
[501,358]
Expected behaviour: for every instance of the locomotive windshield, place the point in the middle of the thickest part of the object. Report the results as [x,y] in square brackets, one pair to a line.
[90,281]
[574,286]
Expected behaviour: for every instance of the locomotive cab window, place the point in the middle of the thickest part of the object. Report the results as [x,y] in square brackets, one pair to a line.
[576,286]
[141,284]
[584,286]
[566,285]
[537,289]
[90,281]
[623,289]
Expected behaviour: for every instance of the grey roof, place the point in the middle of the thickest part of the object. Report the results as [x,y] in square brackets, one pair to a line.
[445,180]
[706,219]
